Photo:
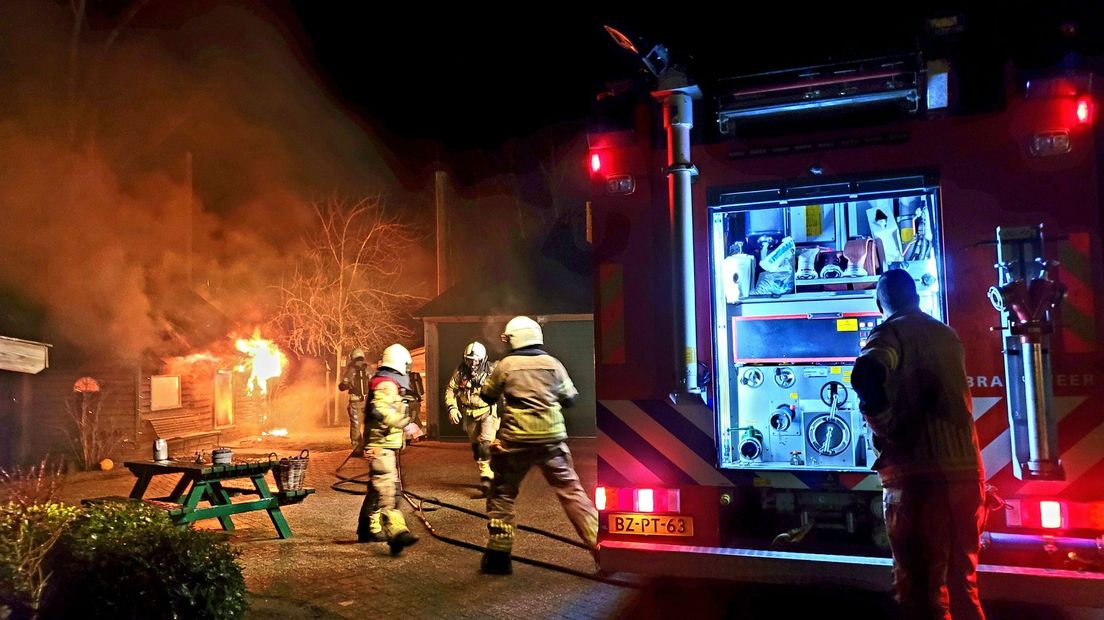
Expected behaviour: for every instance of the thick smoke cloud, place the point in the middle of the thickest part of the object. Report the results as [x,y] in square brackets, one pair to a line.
[105,223]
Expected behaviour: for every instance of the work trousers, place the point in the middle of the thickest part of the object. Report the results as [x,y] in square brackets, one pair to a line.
[356,422]
[554,461]
[381,502]
[481,432]
[934,532]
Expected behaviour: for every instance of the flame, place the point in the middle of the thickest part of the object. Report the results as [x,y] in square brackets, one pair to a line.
[191,364]
[266,361]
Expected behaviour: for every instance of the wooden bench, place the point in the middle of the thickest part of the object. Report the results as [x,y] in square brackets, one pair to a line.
[293,497]
[285,498]
[182,431]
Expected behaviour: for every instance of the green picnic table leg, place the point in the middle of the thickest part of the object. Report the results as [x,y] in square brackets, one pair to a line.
[274,513]
[140,486]
[219,497]
[191,500]
[177,494]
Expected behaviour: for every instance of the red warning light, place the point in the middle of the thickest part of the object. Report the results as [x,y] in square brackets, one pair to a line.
[1084,110]
[595,163]
[1050,514]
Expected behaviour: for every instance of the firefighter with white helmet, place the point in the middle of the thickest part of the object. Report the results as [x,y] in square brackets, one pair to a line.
[535,387]
[390,408]
[355,382]
[466,406]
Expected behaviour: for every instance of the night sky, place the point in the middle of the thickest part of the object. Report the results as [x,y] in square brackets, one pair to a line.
[472,77]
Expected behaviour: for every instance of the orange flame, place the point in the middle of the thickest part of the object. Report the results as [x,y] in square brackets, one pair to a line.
[192,364]
[266,361]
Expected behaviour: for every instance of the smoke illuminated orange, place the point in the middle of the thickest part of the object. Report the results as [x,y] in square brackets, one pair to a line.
[266,361]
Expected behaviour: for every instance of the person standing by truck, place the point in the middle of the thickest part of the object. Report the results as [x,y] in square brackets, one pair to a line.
[911,382]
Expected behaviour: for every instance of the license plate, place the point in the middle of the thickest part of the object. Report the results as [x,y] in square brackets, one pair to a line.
[650,525]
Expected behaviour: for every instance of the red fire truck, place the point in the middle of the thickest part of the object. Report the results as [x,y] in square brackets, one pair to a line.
[734,288]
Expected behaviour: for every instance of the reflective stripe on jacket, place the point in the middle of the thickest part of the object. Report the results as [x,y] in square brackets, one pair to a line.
[388,410]
[463,393]
[533,385]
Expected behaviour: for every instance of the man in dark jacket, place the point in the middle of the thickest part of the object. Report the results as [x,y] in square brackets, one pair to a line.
[911,382]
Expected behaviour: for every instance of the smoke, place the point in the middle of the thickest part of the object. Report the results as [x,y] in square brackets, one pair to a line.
[157,178]
[301,404]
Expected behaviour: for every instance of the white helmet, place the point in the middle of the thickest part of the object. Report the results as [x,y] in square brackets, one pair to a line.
[357,354]
[474,354]
[397,358]
[522,331]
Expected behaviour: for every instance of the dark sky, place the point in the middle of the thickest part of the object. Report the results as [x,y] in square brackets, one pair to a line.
[472,76]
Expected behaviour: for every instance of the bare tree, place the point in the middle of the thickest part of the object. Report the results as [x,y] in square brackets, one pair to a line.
[95,438]
[346,289]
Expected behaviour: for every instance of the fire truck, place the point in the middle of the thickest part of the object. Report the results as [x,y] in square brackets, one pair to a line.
[735,272]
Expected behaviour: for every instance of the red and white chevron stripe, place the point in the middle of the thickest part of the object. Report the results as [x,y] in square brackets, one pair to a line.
[1080,444]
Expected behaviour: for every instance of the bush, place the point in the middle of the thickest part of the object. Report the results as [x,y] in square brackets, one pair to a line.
[27,533]
[127,560]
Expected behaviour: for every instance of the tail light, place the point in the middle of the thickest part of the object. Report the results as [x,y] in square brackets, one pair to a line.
[1050,515]
[650,500]
[1084,110]
[595,163]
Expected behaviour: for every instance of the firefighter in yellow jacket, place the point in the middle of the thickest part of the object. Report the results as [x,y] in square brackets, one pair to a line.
[535,387]
[388,411]
[464,405]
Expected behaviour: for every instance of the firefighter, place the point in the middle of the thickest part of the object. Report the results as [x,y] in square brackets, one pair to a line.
[479,417]
[390,408]
[535,387]
[911,382]
[355,382]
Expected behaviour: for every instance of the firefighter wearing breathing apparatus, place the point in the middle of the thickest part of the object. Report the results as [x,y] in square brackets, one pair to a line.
[355,382]
[392,405]
[535,387]
[465,406]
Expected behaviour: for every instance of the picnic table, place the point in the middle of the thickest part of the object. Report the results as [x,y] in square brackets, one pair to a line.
[204,482]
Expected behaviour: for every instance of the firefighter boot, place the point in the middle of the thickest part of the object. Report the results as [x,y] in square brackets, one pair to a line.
[375,530]
[496,563]
[485,477]
[398,537]
[401,541]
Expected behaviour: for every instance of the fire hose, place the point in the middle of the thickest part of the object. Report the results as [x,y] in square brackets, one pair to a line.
[422,504]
